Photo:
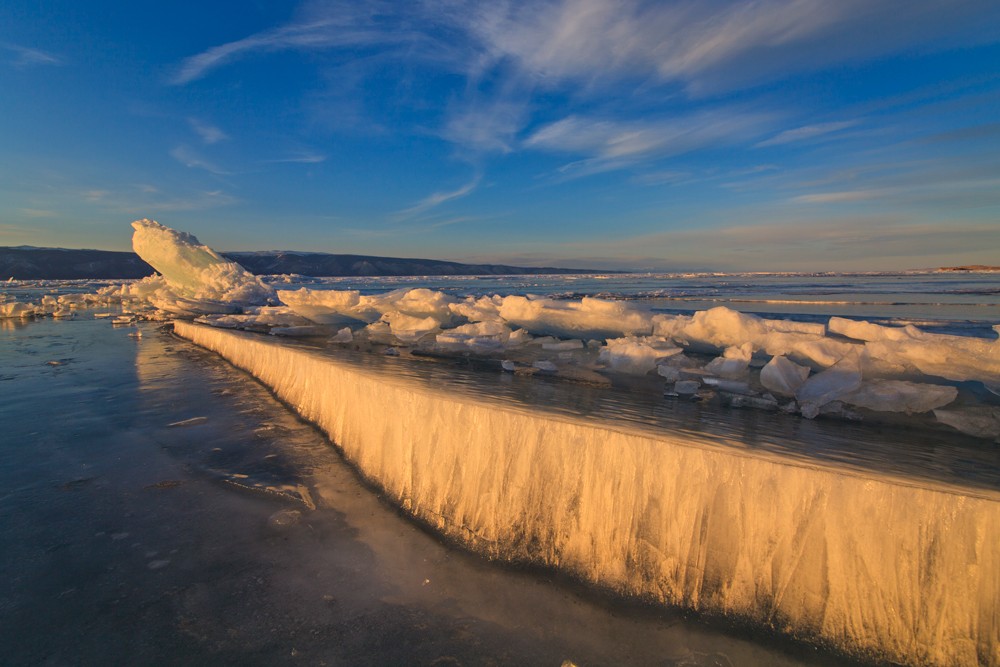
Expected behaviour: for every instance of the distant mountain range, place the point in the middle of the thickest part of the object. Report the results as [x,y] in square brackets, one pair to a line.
[31,263]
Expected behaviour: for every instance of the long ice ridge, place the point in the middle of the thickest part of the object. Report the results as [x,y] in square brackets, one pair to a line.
[866,563]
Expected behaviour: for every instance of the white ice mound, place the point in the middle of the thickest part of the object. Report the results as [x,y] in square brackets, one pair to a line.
[720,328]
[587,318]
[956,358]
[345,306]
[197,279]
[332,306]
[636,356]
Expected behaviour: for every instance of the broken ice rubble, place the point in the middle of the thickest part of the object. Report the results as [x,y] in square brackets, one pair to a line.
[746,360]
[956,358]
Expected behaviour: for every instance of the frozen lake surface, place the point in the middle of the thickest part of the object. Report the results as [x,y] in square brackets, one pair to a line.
[163,503]
[131,541]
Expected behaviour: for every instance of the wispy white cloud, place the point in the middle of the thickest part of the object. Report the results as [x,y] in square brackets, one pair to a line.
[806,132]
[28,57]
[208,133]
[840,197]
[436,199]
[196,201]
[140,199]
[663,177]
[486,126]
[322,27]
[95,195]
[714,44]
[303,158]
[554,40]
[37,213]
[507,55]
[610,144]
[190,158]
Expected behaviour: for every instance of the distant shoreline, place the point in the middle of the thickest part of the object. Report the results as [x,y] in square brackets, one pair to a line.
[972,268]
[30,263]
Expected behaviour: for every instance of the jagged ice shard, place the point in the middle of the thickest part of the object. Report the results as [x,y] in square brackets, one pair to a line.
[195,278]
[874,564]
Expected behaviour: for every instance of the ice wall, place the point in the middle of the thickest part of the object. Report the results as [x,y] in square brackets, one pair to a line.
[872,565]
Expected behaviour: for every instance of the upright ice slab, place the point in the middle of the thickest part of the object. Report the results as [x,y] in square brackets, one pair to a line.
[197,279]
[870,563]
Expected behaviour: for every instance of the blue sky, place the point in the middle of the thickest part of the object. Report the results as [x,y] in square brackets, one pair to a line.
[745,135]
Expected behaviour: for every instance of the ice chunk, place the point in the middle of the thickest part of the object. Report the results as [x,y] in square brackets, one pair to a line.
[721,327]
[670,373]
[419,303]
[687,387]
[563,345]
[169,301]
[259,318]
[743,400]
[483,309]
[587,318]
[479,337]
[733,363]
[17,309]
[344,306]
[294,332]
[730,386]
[981,422]
[410,328]
[332,306]
[224,321]
[343,336]
[958,358]
[839,380]
[73,300]
[900,396]
[545,365]
[379,332]
[519,337]
[196,277]
[275,316]
[782,376]
[636,356]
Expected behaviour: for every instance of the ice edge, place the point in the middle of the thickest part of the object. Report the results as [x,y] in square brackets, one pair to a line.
[906,573]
